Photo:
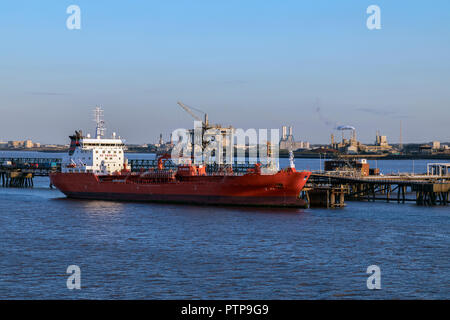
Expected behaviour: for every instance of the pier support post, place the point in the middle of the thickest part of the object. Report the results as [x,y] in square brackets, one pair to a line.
[403,194]
[332,198]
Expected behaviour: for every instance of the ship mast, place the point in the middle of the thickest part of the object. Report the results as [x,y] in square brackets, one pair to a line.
[98,118]
[291,159]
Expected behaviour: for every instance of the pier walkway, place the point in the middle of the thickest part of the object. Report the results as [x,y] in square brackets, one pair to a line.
[19,172]
[423,189]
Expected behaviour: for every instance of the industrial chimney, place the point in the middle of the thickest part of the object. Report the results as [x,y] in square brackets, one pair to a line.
[284,135]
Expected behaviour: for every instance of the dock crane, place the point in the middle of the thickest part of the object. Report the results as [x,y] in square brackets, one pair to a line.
[205,124]
[188,110]
[225,132]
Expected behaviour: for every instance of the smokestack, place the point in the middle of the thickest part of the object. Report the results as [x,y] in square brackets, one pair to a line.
[284,134]
[290,131]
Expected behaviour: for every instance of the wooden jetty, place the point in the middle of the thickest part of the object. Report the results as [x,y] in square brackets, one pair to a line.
[426,189]
[19,172]
[16,179]
[324,196]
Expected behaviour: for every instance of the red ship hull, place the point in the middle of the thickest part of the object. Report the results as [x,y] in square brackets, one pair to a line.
[281,189]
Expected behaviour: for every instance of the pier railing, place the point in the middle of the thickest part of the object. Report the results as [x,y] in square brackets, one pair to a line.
[424,189]
[35,166]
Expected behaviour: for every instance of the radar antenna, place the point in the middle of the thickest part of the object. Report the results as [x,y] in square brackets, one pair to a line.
[100,128]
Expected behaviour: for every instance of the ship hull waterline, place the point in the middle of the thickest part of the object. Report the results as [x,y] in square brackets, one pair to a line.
[279,190]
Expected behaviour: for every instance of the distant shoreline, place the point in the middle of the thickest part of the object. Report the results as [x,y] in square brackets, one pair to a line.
[65,150]
[370,156]
[282,154]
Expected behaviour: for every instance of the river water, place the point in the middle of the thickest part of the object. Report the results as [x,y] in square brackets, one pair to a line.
[154,251]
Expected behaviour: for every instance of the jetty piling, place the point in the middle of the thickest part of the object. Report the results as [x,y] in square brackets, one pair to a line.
[18,172]
[324,196]
[422,189]
[17,179]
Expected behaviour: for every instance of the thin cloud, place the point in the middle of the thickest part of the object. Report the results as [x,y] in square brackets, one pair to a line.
[36,93]
[383,113]
[377,111]
[234,82]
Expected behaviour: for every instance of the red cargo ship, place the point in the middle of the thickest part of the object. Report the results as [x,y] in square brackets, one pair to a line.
[96,169]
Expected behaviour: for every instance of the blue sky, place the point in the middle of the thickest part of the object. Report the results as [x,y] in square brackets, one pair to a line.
[252,64]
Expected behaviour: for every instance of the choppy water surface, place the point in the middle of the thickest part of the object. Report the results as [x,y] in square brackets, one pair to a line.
[153,251]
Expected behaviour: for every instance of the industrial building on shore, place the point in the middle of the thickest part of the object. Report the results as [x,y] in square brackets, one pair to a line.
[19,144]
[287,141]
[352,146]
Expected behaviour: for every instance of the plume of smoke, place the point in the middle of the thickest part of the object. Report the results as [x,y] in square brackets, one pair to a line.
[322,118]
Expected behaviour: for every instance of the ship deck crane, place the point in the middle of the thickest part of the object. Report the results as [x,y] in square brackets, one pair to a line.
[189,110]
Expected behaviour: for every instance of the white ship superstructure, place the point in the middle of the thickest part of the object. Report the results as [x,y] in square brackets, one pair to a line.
[95,155]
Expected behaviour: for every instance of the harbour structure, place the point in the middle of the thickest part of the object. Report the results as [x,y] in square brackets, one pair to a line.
[424,190]
[349,166]
[438,169]
[16,179]
[162,147]
[19,172]
[361,184]
[435,147]
[38,166]
[201,135]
